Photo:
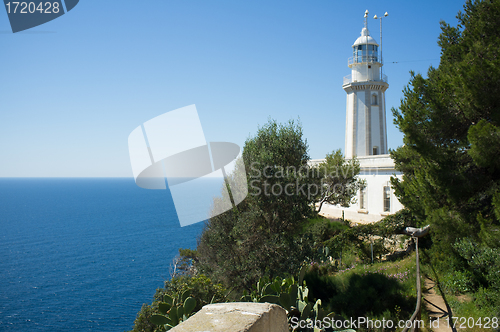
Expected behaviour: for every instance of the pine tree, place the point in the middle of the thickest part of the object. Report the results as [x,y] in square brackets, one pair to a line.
[451,122]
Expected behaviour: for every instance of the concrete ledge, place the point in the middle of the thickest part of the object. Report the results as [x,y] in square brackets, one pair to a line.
[236,317]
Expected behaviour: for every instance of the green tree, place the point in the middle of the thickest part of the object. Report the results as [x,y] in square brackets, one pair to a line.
[260,236]
[337,180]
[276,160]
[451,123]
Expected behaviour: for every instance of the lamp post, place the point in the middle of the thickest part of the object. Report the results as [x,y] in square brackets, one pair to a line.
[381,17]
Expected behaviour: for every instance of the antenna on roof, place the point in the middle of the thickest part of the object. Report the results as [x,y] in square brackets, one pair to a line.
[366,36]
[381,59]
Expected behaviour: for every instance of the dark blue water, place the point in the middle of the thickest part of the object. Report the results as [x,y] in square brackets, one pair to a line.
[83,254]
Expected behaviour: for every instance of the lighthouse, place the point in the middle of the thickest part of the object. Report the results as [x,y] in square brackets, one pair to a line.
[366,132]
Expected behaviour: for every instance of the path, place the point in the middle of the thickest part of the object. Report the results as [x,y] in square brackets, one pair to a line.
[437,308]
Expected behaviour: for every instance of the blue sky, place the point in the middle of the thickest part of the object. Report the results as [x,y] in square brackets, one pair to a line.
[74,88]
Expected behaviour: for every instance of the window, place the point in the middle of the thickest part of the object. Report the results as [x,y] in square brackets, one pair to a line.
[387,199]
[372,52]
[374,99]
[359,53]
[375,150]
[363,198]
[365,53]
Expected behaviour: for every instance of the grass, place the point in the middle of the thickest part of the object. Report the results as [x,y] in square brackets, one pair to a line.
[470,316]
[385,290]
[471,309]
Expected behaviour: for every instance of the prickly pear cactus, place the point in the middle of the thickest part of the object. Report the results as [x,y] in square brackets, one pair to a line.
[174,310]
[292,295]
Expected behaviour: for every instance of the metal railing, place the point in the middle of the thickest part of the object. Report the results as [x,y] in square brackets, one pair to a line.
[362,59]
[416,233]
[348,79]
[416,315]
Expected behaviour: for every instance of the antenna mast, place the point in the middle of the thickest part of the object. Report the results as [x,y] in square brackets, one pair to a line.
[366,37]
[381,59]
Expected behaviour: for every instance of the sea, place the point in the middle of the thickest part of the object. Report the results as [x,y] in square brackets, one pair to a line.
[84,254]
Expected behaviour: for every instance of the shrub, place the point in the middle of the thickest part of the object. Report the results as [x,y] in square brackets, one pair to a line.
[199,287]
[458,282]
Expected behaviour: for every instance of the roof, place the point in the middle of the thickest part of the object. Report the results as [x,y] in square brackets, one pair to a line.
[365,38]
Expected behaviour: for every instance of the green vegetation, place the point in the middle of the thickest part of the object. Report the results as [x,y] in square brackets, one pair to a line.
[197,287]
[337,178]
[339,287]
[260,236]
[291,295]
[174,310]
[451,173]
[381,290]
[383,235]
[322,229]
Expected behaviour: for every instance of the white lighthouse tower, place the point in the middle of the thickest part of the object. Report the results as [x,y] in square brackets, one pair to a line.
[366,132]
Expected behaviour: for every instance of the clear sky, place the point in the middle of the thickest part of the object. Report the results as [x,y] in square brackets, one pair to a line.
[74,88]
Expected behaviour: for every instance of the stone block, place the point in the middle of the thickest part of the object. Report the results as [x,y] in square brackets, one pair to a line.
[236,317]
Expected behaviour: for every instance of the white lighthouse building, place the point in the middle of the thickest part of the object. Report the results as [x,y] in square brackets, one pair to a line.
[366,133]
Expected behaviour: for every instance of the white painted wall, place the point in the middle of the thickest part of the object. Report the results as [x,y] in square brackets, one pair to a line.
[384,136]
[375,126]
[360,124]
[377,171]
[349,126]
[362,72]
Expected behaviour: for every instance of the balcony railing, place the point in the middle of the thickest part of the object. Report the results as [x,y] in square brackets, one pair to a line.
[348,79]
[362,59]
